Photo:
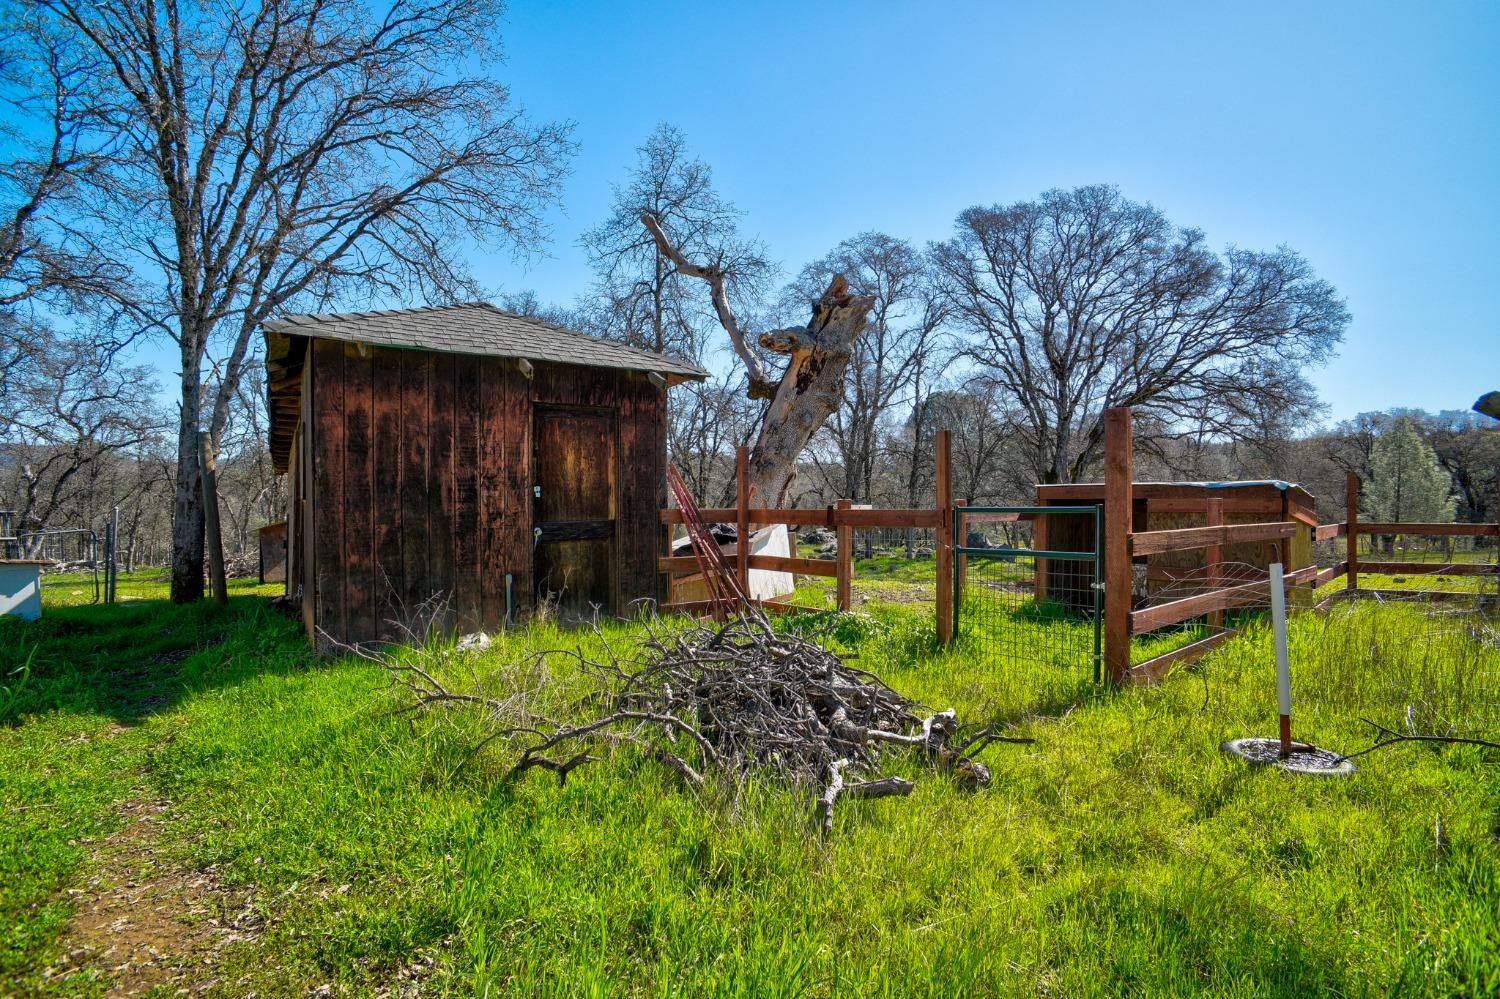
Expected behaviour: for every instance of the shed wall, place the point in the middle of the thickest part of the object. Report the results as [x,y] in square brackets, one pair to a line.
[420,484]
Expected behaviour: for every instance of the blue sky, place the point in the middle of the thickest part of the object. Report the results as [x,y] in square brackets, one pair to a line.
[1364,135]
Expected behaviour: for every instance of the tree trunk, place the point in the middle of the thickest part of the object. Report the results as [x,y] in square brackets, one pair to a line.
[187,506]
[811,388]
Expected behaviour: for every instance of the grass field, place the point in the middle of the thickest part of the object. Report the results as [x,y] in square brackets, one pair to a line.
[368,853]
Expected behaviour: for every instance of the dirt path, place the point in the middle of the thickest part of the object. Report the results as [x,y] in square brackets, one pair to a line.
[143,923]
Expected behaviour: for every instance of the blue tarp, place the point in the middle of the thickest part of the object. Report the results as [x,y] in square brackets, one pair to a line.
[1283,486]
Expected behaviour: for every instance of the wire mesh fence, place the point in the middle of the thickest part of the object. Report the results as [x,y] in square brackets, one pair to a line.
[1427,548]
[72,548]
[1026,595]
[1245,590]
[871,542]
[1436,563]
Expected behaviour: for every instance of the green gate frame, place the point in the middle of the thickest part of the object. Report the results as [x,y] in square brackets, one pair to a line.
[1095,510]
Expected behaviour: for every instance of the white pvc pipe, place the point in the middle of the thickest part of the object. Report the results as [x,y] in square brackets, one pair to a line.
[1278,624]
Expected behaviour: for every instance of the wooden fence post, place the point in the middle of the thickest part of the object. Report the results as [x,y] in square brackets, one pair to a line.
[207,476]
[1118,496]
[1351,526]
[1213,558]
[943,550]
[742,517]
[844,579]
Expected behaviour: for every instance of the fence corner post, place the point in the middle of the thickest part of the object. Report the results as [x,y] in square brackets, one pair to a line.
[1351,531]
[943,550]
[844,567]
[1118,496]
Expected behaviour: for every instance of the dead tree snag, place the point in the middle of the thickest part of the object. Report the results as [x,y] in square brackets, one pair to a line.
[811,385]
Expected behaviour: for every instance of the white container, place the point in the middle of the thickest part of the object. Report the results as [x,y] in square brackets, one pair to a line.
[21,587]
[765,584]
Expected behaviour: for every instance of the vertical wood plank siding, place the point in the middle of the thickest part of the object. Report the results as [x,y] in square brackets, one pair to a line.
[389,578]
[505,488]
[416,474]
[328,486]
[643,450]
[416,366]
[441,495]
[360,595]
[468,420]
[489,496]
[307,443]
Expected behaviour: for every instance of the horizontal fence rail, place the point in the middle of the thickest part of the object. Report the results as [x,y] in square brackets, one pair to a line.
[1430,568]
[1227,598]
[774,563]
[826,517]
[1188,538]
[1157,667]
[1331,573]
[1451,530]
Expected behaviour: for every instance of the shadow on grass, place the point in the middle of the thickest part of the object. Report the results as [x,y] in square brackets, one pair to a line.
[131,660]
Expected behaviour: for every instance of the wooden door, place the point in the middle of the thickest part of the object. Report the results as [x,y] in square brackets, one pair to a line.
[574,492]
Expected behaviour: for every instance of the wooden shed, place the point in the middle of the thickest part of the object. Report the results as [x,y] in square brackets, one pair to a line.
[1161,506]
[468,454]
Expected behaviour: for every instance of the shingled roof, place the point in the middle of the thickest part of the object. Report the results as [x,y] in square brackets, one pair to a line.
[482,329]
[479,329]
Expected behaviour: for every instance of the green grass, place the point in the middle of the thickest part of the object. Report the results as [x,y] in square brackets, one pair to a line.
[1121,854]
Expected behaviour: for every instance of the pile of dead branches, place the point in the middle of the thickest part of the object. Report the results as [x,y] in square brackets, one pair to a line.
[730,701]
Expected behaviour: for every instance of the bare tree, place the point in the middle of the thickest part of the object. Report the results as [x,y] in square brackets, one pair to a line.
[707,421]
[289,154]
[885,362]
[42,89]
[811,385]
[1083,300]
[912,444]
[69,412]
[986,465]
[526,303]
[640,297]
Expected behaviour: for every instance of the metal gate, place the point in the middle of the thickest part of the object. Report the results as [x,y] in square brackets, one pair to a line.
[1034,598]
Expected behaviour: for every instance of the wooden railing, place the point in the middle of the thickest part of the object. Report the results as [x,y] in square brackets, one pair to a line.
[1227,588]
[1353,565]
[843,517]
[1200,604]
[1189,538]
[1122,544]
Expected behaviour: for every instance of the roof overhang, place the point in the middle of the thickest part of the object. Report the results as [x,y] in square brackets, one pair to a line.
[286,356]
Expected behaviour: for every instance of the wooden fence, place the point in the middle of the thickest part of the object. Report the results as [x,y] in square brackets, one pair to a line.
[843,517]
[1352,565]
[1122,545]
[1123,621]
